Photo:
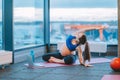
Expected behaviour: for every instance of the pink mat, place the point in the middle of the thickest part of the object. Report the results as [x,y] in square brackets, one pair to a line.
[111,77]
[45,64]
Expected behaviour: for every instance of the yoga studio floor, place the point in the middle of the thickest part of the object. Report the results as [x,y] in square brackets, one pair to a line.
[75,72]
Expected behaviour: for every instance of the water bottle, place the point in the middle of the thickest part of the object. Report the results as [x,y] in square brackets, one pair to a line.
[30,59]
[33,55]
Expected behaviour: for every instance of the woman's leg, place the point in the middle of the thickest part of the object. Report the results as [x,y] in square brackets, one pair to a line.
[101,34]
[58,58]
[70,59]
[67,59]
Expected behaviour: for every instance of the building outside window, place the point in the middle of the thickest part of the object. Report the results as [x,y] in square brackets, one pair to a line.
[28,23]
[65,13]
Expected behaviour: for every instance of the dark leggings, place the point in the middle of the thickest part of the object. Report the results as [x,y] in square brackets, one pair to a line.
[70,59]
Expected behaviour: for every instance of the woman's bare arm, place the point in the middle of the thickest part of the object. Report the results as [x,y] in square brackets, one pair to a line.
[80,55]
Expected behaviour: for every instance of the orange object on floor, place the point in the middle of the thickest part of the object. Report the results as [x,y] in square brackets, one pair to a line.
[115,64]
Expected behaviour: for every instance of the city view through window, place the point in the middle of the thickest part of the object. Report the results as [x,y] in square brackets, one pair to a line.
[28,23]
[81,12]
[29,28]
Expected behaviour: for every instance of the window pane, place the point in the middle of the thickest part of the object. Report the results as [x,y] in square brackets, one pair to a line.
[0,24]
[28,23]
[84,13]
[39,24]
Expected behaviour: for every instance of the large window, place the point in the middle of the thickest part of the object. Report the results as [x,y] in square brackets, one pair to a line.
[83,12]
[0,24]
[28,23]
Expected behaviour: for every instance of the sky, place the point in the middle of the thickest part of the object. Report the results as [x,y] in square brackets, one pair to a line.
[29,5]
[84,3]
[69,14]
[83,14]
[68,3]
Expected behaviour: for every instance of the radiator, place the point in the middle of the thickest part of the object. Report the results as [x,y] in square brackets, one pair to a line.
[5,57]
[100,47]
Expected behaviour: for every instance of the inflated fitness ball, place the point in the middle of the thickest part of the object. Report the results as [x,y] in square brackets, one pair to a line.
[115,64]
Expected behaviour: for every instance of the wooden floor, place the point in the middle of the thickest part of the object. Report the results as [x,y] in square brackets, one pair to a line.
[20,72]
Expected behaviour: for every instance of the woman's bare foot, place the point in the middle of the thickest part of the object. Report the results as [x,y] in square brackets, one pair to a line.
[52,59]
[55,60]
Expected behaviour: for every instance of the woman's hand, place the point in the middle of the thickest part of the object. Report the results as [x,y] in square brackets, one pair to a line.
[86,65]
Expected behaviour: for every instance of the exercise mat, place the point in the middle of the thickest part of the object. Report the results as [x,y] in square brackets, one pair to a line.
[46,64]
[111,77]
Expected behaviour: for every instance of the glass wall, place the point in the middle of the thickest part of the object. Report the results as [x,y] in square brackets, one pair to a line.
[38,22]
[0,24]
[84,13]
[28,23]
